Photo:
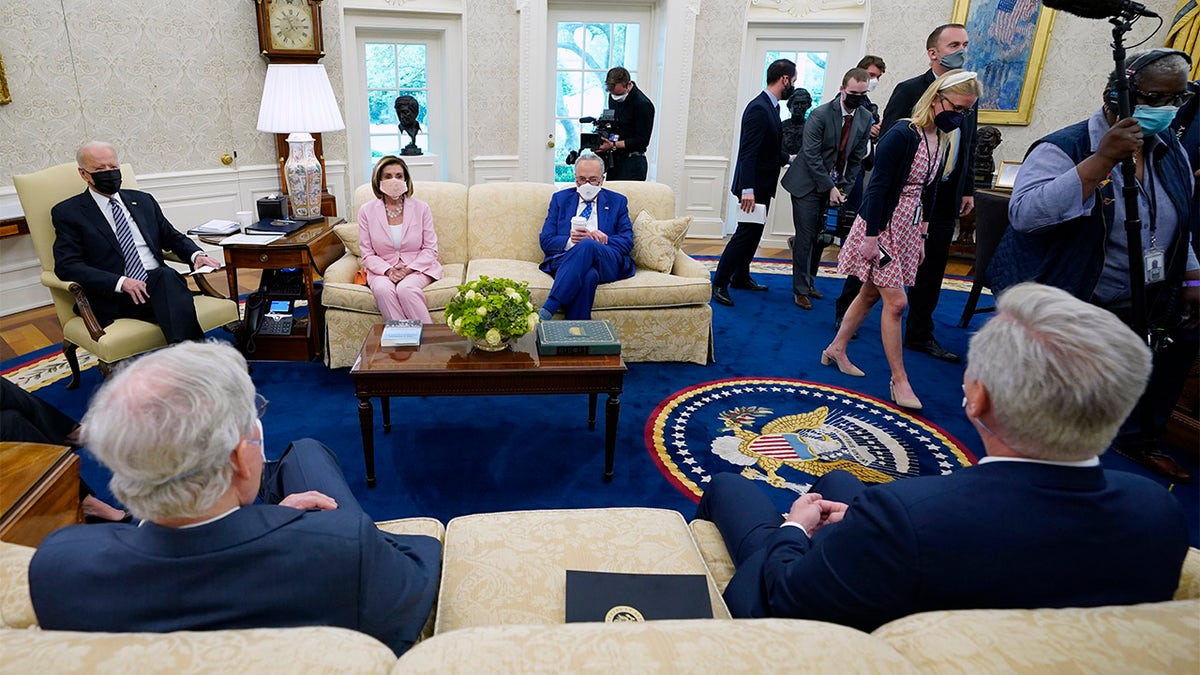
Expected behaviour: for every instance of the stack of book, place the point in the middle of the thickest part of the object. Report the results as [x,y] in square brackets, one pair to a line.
[557,338]
[403,333]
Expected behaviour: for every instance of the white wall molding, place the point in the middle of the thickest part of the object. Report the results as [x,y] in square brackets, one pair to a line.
[532,125]
[495,169]
[676,26]
[704,183]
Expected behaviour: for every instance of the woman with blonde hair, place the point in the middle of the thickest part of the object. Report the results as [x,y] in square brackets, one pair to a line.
[399,246]
[887,242]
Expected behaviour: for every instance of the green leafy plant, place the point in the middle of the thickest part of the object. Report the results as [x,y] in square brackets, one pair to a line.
[491,310]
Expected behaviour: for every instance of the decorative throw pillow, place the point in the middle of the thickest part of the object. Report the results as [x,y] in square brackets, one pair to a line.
[348,233]
[656,241]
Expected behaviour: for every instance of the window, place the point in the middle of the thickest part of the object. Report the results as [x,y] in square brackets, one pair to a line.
[393,70]
[810,74]
[584,54]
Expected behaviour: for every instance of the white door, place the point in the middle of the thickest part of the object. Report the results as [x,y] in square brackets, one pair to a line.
[822,54]
[582,49]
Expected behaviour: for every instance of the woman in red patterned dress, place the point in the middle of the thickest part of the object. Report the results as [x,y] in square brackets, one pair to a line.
[886,244]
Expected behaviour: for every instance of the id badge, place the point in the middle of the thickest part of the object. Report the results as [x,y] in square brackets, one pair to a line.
[1156,271]
[917,214]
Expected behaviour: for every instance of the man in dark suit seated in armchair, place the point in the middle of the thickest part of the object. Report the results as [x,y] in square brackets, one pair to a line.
[111,241]
[179,430]
[1037,523]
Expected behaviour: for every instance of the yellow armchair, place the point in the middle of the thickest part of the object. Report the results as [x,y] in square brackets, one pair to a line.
[38,193]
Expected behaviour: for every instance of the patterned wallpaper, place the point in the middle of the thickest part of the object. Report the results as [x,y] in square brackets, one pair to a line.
[109,77]
[720,29]
[180,108]
[491,32]
[1077,62]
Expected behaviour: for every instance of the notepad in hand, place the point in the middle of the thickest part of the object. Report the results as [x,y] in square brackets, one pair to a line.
[402,333]
[613,597]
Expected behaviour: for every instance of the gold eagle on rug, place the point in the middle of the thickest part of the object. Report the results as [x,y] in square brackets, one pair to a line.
[803,442]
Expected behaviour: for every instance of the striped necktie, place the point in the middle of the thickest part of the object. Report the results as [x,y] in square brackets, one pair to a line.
[133,263]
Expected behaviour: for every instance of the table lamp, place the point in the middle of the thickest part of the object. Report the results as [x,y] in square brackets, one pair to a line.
[297,100]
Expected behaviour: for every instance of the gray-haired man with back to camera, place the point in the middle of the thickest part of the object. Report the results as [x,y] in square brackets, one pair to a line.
[179,431]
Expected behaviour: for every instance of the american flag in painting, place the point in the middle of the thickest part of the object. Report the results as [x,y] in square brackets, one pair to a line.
[1010,14]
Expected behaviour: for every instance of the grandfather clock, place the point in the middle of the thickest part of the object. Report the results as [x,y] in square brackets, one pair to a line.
[289,31]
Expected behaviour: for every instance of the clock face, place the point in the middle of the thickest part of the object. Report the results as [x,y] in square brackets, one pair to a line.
[291,24]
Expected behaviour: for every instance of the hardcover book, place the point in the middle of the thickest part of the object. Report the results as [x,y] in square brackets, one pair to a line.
[577,337]
[268,226]
[612,597]
[403,333]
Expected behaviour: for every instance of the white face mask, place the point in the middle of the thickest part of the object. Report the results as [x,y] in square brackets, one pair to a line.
[393,187]
[588,191]
[872,83]
[620,98]
[262,444]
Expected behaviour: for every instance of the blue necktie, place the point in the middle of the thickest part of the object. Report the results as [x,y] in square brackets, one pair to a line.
[587,211]
[133,264]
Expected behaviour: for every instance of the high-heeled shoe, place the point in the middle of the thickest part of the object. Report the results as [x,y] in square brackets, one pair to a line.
[913,403]
[843,364]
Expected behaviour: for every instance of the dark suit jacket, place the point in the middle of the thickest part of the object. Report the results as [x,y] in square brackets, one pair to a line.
[819,154]
[997,535]
[760,150]
[612,218]
[261,566]
[962,179]
[87,252]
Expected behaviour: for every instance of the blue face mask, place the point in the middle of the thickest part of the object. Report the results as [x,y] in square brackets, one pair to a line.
[1154,118]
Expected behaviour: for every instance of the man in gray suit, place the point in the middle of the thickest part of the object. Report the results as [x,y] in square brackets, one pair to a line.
[835,141]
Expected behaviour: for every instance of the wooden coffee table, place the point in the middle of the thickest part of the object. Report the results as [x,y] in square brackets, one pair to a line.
[39,491]
[448,365]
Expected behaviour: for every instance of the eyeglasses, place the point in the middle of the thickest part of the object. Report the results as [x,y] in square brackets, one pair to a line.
[260,405]
[594,181]
[1155,99]
[955,108]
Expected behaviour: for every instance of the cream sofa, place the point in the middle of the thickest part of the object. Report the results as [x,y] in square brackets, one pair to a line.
[500,610]
[492,229]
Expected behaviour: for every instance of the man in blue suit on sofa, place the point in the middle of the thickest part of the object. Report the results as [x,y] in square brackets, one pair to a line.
[1037,523]
[178,430]
[587,239]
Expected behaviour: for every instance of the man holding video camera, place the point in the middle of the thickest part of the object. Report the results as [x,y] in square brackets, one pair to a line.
[634,121]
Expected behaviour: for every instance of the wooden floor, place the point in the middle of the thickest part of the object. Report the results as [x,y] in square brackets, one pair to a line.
[35,329]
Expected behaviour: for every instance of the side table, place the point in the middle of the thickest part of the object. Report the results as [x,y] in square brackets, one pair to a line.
[41,491]
[310,249]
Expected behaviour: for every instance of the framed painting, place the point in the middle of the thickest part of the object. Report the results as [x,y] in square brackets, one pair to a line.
[1006,175]
[1008,48]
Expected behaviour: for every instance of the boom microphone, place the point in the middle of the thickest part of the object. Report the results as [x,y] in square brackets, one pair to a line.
[1099,9]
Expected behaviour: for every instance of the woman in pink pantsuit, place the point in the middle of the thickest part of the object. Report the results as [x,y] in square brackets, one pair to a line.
[399,246]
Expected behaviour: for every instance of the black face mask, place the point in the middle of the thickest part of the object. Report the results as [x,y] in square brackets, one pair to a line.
[787,92]
[852,101]
[948,120]
[107,182]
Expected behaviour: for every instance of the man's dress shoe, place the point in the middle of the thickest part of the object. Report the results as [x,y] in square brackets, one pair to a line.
[803,302]
[748,285]
[815,294]
[1154,459]
[721,295]
[932,348]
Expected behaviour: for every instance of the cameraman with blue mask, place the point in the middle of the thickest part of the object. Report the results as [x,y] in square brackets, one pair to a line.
[635,120]
[1067,218]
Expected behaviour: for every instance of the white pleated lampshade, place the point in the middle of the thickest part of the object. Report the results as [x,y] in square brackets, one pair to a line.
[297,97]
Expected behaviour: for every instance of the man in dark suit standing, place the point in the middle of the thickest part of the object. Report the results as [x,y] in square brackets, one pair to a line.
[178,429]
[946,47]
[1049,381]
[111,241]
[587,239]
[835,142]
[760,156]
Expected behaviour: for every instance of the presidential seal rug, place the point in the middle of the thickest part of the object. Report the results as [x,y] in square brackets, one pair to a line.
[787,433]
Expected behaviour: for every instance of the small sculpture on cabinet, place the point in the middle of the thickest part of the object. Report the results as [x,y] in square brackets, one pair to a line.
[793,127]
[407,110]
[987,140]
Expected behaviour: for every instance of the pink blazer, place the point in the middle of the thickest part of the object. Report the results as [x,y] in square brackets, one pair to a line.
[418,245]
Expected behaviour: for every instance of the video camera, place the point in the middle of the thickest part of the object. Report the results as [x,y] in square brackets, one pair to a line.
[604,128]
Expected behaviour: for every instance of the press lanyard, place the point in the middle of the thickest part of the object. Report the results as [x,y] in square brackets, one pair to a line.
[932,165]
